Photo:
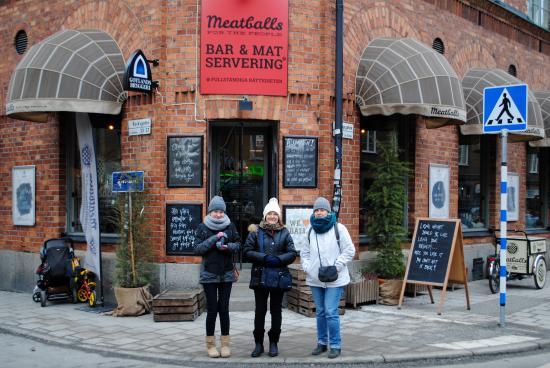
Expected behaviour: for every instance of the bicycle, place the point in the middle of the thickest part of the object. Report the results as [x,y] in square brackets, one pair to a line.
[86,290]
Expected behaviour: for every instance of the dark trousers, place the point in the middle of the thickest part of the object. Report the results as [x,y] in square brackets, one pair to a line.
[275,305]
[217,301]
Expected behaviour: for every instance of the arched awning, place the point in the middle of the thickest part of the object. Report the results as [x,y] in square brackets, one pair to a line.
[72,70]
[404,76]
[543,98]
[473,84]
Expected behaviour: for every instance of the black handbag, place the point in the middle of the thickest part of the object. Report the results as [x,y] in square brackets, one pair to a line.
[328,273]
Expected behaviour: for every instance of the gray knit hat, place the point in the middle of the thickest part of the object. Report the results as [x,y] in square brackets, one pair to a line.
[216,203]
[322,203]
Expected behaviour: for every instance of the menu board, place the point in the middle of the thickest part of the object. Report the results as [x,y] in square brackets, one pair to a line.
[300,162]
[182,220]
[296,219]
[184,161]
[430,251]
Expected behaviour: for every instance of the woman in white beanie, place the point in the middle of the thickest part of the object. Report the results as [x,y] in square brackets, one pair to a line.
[268,246]
[216,241]
[329,245]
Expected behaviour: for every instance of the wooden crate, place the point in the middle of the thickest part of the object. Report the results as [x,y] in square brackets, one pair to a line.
[177,305]
[297,272]
[361,292]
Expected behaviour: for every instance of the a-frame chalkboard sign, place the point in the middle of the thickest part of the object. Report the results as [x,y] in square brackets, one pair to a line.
[436,258]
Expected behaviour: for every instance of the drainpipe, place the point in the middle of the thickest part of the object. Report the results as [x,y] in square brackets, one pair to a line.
[337,190]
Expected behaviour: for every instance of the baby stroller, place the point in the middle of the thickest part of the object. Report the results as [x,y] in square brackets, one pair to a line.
[55,273]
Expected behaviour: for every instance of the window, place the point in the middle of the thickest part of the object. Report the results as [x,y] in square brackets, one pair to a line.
[534,202]
[107,140]
[473,183]
[463,155]
[539,11]
[368,141]
[382,128]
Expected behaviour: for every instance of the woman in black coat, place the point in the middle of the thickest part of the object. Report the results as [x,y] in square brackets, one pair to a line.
[216,241]
[268,246]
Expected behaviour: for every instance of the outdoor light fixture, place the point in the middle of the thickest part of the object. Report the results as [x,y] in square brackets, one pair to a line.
[244,104]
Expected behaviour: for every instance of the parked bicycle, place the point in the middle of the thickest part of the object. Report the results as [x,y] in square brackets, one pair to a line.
[524,258]
[86,287]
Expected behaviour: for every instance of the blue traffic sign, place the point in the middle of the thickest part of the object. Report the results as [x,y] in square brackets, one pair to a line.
[129,181]
[505,108]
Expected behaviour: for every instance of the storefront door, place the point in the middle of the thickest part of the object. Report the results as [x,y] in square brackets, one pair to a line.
[242,170]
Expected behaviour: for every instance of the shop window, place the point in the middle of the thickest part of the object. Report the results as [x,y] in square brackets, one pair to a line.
[473,184]
[107,141]
[539,12]
[376,129]
[534,201]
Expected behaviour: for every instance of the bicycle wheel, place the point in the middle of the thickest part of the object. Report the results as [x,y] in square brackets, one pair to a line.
[82,295]
[494,279]
[92,299]
[540,273]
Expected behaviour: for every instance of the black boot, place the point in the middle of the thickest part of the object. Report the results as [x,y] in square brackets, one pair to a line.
[259,340]
[273,340]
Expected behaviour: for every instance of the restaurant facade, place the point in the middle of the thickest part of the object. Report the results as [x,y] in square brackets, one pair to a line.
[238,98]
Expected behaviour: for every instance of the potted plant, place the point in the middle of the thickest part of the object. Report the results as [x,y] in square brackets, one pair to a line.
[386,199]
[133,257]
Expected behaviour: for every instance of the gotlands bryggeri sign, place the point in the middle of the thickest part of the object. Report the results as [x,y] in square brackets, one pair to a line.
[244,47]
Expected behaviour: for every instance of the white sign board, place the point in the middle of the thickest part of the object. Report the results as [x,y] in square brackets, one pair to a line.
[139,127]
[297,221]
[439,191]
[347,130]
[23,195]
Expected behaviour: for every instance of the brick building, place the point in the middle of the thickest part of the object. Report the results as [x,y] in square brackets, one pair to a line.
[243,150]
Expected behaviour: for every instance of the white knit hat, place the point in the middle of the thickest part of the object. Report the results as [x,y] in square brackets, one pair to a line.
[273,206]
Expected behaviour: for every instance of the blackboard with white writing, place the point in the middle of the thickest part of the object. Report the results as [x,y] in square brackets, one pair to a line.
[182,220]
[300,162]
[184,161]
[430,251]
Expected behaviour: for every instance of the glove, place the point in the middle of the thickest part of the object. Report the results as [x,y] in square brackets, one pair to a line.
[272,261]
[221,234]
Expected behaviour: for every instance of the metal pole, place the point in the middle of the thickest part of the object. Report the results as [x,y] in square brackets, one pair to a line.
[131,240]
[503,224]
[337,190]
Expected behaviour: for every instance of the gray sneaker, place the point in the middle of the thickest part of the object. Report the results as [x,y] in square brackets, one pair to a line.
[319,349]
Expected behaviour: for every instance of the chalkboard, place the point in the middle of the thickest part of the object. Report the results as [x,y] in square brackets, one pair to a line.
[184,161]
[300,162]
[430,251]
[182,220]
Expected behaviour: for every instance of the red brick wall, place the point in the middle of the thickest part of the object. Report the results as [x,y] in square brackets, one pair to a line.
[168,31]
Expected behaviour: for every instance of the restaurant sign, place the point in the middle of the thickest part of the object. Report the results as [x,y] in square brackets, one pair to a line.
[244,47]
[138,76]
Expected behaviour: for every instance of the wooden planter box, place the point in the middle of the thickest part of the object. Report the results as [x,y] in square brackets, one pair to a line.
[361,292]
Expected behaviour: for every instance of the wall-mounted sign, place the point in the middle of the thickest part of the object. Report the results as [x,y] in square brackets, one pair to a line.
[347,130]
[138,74]
[129,181]
[23,195]
[244,47]
[184,161]
[439,191]
[139,127]
[182,220]
[300,162]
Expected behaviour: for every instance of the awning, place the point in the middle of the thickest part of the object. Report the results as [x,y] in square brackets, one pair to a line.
[543,98]
[72,70]
[404,76]
[473,84]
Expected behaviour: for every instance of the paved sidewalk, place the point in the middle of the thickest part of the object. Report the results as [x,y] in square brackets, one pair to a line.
[373,333]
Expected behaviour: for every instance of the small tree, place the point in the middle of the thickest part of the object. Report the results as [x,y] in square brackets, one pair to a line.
[386,199]
[133,254]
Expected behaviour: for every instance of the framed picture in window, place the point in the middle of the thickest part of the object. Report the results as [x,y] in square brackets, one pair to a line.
[439,191]
[513,197]
[23,195]
[296,220]
[184,161]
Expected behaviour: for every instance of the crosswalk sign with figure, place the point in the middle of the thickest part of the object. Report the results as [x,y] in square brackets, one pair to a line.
[505,107]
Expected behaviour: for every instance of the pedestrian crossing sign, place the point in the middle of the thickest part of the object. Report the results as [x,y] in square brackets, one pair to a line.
[505,108]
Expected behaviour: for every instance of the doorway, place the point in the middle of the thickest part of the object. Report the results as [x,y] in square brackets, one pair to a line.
[243,168]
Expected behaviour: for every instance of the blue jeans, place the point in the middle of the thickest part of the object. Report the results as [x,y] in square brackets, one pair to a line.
[328,321]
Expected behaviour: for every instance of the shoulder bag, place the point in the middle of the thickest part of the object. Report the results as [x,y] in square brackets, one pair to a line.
[328,273]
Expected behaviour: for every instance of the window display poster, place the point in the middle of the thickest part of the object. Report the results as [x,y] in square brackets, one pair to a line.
[439,191]
[513,197]
[23,195]
[296,219]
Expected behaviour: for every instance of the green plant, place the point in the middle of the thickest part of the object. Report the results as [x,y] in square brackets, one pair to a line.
[133,254]
[386,199]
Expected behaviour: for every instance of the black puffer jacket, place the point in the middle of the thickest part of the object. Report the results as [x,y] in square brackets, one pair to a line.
[279,244]
[217,265]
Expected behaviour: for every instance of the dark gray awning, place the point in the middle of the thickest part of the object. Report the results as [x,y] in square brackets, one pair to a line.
[543,98]
[72,70]
[404,76]
[473,84]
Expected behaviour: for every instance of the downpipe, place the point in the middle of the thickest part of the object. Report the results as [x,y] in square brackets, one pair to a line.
[339,75]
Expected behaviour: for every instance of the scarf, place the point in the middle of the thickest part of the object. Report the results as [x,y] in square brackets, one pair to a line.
[271,227]
[215,224]
[323,224]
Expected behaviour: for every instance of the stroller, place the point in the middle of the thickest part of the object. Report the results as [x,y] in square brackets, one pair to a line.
[56,272]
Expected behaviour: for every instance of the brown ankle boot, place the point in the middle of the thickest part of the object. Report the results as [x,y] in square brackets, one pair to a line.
[225,351]
[211,347]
